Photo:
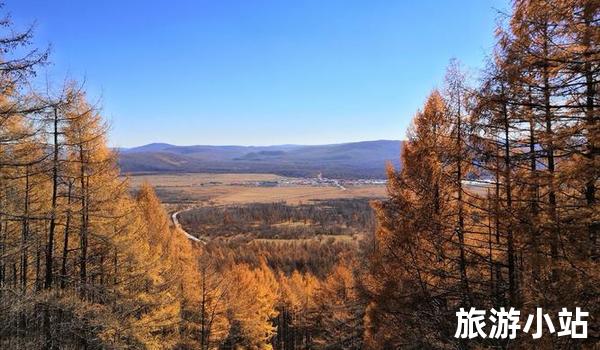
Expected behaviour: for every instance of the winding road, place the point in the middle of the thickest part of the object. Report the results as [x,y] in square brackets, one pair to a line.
[178,227]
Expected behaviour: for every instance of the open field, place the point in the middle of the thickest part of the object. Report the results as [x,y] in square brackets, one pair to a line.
[295,195]
[211,194]
[198,179]
[224,189]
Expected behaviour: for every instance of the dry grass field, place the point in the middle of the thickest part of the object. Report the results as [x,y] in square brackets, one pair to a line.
[199,179]
[223,189]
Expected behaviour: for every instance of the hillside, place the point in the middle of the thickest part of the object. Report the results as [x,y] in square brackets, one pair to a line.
[345,160]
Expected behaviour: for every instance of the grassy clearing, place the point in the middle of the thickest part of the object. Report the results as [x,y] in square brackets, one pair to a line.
[225,189]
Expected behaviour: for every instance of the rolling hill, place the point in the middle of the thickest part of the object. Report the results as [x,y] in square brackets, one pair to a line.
[345,160]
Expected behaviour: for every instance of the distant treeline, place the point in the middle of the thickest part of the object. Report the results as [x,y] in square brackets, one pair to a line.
[280,220]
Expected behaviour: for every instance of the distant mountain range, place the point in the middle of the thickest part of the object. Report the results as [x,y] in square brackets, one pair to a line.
[345,160]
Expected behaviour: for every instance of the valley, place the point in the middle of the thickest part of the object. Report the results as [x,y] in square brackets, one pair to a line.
[265,207]
[223,189]
[325,186]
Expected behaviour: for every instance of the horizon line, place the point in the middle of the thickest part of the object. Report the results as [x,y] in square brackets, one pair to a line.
[255,145]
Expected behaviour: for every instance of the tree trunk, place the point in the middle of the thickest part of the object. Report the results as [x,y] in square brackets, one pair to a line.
[593,149]
[50,244]
[512,292]
[461,220]
[83,244]
[65,254]
[25,235]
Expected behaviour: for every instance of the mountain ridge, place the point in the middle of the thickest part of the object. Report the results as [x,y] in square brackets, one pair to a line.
[362,159]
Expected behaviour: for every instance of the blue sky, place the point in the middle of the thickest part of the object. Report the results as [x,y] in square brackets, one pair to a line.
[258,72]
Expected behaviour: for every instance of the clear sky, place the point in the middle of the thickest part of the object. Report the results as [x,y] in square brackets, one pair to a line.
[258,72]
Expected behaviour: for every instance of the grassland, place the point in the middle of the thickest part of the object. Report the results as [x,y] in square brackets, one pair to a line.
[225,189]
[192,191]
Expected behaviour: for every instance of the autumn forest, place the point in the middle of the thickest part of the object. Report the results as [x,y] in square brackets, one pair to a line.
[495,204]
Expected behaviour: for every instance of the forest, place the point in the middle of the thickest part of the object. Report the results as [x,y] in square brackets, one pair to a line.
[87,264]
[281,221]
[528,129]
